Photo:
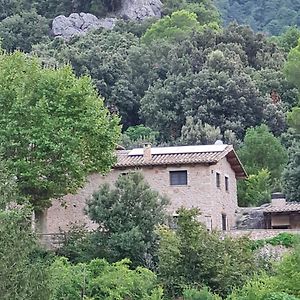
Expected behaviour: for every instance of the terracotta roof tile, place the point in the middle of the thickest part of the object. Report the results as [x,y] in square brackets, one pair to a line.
[125,160]
[288,207]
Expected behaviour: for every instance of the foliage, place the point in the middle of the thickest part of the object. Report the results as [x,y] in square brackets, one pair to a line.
[174,27]
[138,136]
[204,9]
[23,275]
[64,127]
[291,173]
[287,275]
[128,215]
[292,69]
[80,245]
[203,294]
[268,16]
[193,257]
[100,280]
[262,150]
[102,55]
[255,190]
[23,30]
[283,238]
[289,38]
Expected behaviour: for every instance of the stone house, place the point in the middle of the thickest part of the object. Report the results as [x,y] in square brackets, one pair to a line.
[190,176]
[281,214]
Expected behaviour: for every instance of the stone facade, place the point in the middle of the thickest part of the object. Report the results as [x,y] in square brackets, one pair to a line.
[201,191]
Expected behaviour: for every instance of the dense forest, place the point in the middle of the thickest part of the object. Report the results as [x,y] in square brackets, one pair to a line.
[204,71]
[185,78]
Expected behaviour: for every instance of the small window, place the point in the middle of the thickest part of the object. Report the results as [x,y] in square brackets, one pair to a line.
[218,180]
[226,183]
[178,177]
[224,222]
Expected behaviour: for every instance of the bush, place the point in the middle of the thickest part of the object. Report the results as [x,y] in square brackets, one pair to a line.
[283,239]
[100,280]
[203,294]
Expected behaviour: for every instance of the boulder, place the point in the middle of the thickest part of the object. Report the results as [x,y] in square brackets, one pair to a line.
[140,9]
[79,24]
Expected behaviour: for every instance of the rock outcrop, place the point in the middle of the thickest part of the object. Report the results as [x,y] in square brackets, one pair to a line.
[140,9]
[79,24]
[250,217]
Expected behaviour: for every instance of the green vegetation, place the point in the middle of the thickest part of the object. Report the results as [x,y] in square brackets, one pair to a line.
[267,16]
[63,127]
[184,79]
[283,239]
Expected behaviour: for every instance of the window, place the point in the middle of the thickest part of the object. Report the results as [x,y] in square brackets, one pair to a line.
[224,222]
[178,177]
[226,183]
[218,180]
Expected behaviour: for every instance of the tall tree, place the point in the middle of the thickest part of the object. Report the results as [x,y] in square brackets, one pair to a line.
[262,150]
[23,275]
[128,215]
[54,128]
[291,173]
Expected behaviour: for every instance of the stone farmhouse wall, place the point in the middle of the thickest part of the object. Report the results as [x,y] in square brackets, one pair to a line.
[201,191]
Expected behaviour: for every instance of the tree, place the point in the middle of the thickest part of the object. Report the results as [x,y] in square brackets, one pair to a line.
[128,215]
[23,275]
[98,279]
[193,133]
[294,119]
[262,150]
[191,256]
[292,66]
[101,55]
[291,173]
[255,190]
[174,27]
[22,31]
[272,17]
[64,132]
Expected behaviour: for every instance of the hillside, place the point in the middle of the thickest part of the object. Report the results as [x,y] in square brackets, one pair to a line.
[262,15]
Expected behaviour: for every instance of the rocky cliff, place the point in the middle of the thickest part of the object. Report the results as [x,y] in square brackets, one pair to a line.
[80,23]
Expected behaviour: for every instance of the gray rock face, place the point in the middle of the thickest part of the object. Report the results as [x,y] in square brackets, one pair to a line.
[79,24]
[250,217]
[140,9]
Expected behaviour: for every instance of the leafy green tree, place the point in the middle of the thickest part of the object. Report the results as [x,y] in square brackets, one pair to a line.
[23,275]
[23,30]
[289,38]
[204,9]
[128,214]
[271,17]
[100,280]
[262,150]
[64,132]
[292,66]
[294,119]
[191,256]
[291,173]
[255,190]
[174,27]
[137,136]
[193,133]
[101,55]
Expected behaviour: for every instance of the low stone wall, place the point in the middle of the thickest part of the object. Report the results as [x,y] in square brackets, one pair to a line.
[260,234]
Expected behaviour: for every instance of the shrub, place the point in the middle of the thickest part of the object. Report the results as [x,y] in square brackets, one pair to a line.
[203,294]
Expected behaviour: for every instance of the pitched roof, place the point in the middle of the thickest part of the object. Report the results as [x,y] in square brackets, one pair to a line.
[184,155]
[288,207]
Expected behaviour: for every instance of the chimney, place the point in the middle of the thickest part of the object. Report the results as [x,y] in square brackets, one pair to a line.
[147,153]
[278,199]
